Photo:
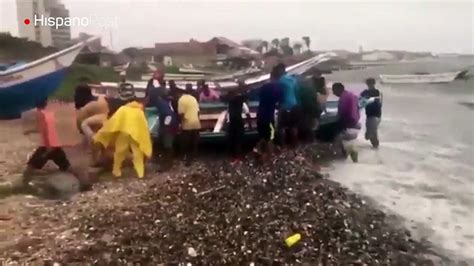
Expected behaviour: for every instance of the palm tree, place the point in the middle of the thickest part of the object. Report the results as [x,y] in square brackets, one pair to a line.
[297,48]
[307,41]
[276,43]
[285,42]
[264,44]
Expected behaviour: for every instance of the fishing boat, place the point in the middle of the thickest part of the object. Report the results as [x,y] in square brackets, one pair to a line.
[213,115]
[23,85]
[214,122]
[110,89]
[420,78]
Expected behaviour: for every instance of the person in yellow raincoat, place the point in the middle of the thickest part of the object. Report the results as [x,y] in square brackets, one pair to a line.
[127,131]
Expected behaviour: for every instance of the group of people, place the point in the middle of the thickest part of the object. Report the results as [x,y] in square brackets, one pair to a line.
[289,107]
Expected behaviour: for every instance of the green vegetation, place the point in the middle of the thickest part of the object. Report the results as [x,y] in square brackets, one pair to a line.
[16,49]
[94,73]
[172,70]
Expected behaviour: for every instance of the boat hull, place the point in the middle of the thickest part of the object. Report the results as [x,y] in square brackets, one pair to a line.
[419,79]
[23,96]
[23,86]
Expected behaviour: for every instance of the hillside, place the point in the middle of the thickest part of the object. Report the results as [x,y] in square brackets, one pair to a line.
[18,49]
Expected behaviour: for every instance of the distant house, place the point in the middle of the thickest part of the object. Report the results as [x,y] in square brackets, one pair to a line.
[379,56]
[93,52]
[192,52]
[217,49]
[148,56]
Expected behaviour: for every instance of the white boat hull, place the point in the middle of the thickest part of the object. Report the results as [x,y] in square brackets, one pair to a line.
[428,78]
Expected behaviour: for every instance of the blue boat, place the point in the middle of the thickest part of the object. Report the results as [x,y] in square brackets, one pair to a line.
[23,85]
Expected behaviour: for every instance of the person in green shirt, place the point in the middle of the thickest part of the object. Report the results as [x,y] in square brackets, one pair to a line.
[311,111]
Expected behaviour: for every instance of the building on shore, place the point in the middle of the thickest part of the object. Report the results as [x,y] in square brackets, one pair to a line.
[59,37]
[216,51]
[93,52]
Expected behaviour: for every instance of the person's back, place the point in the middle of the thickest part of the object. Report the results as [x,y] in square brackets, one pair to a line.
[47,128]
[208,95]
[99,106]
[348,109]
[289,87]
[188,108]
[270,95]
[308,100]
[235,107]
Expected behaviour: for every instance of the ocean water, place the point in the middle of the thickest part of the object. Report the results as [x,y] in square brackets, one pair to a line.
[424,168]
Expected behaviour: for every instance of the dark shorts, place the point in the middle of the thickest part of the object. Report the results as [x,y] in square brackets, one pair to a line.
[289,118]
[266,130]
[42,155]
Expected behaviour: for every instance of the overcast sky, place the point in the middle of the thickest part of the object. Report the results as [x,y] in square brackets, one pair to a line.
[442,26]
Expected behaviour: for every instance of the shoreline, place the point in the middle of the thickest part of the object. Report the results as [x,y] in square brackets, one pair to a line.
[159,219]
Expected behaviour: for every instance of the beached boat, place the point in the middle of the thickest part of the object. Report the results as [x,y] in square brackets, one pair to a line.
[212,115]
[21,86]
[213,121]
[420,78]
[110,89]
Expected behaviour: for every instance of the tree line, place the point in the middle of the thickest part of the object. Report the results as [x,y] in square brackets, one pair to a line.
[283,46]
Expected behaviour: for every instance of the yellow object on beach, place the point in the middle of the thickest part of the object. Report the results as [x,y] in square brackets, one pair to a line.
[127,130]
[293,239]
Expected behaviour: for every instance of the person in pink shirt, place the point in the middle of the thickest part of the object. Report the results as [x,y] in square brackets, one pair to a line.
[49,148]
[348,114]
[208,95]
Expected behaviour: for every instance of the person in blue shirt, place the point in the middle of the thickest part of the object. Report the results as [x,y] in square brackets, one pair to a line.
[270,96]
[289,113]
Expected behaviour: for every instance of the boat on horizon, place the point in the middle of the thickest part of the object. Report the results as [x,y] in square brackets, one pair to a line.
[23,85]
[420,78]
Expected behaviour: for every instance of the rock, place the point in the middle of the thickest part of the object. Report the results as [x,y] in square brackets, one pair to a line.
[107,238]
[192,252]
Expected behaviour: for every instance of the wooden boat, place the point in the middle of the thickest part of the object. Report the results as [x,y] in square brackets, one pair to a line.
[212,115]
[420,78]
[213,121]
[110,88]
[22,86]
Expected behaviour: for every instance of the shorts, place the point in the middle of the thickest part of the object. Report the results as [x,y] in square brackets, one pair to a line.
[289,118]
[371,127]
[266,130]
[349,134]
[42,155]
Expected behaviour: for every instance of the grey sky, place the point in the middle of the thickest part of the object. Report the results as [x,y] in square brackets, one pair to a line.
[411,25]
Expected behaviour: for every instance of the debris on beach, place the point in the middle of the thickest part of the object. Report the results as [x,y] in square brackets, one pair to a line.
[217,213]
